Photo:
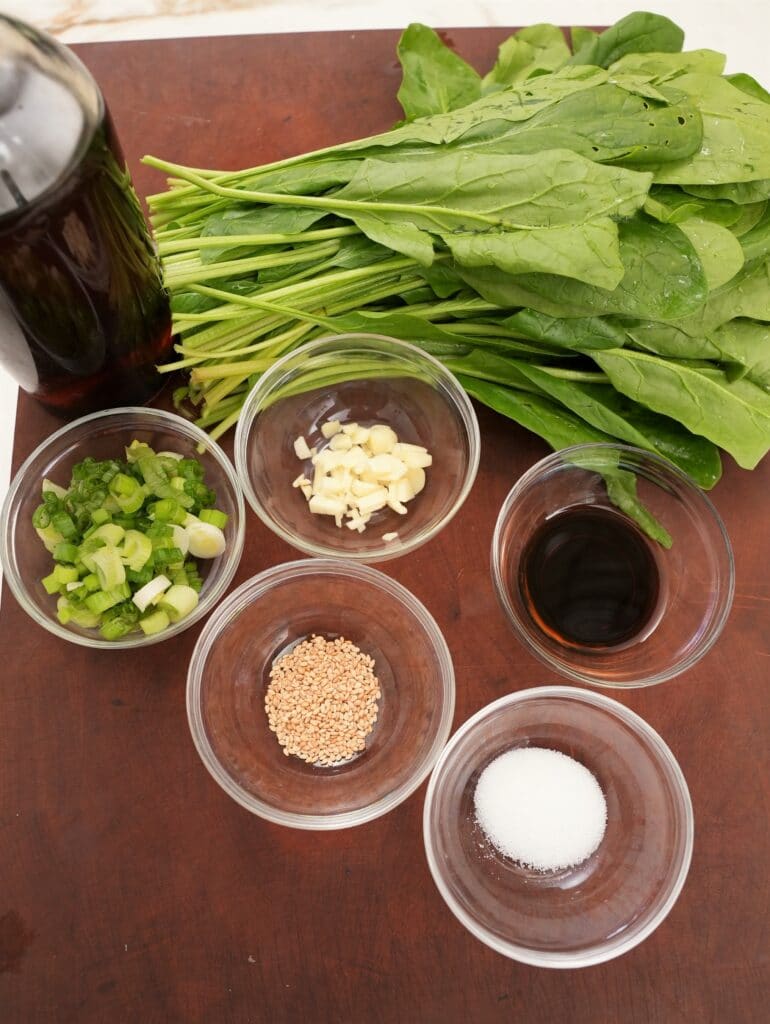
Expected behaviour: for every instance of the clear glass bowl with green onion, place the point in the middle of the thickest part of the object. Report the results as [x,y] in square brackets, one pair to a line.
[41,570]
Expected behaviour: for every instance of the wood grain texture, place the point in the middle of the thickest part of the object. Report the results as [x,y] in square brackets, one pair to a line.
[132,889]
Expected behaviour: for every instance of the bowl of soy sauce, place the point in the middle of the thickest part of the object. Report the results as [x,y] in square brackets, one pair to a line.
[612,566]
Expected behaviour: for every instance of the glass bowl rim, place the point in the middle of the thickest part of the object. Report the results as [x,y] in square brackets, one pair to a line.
[261,390]
[612,948]
[16,488]
[668,469]
[257,587]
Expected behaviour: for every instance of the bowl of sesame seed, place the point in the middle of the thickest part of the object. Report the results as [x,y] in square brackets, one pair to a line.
[320,694]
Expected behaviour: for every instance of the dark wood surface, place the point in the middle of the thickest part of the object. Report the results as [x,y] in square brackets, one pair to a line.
[132,889]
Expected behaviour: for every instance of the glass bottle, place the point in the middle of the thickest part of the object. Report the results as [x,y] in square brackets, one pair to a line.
[84,316]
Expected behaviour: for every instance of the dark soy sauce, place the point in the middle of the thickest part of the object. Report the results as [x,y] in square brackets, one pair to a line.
[589,578]
[84,315]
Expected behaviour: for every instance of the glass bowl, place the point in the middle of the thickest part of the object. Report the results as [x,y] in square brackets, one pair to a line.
[264,619]
[609,903]
[366,379]
[104,435]
[682,542]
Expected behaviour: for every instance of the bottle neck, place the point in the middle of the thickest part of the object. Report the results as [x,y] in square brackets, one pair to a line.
[50,107]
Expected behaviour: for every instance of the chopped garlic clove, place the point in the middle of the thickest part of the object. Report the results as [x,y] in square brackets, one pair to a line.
[326,461]
[357,523]
[382,438]
[373,502]
[414,456]
[331,428]
[357,460]
[344,477]
[331,486]
[324,505]
[401,490]
[360,488]
[361,471]
[301,449]
[341,443]
[416,478]
[387,467]
[387,537]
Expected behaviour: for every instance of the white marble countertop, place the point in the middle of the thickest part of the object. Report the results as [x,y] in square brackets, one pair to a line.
[741,31]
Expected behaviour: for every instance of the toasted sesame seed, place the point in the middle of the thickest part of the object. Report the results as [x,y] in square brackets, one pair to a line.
[322,700]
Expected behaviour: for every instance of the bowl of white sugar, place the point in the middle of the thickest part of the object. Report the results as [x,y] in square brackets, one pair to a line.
[558,827]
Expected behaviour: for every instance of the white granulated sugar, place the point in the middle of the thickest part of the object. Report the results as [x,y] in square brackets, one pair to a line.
[541,808]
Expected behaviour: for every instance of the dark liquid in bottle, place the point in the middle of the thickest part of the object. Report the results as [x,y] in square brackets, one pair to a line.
[84,316]
[589,578]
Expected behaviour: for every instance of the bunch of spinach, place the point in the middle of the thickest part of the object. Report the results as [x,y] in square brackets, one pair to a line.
[582,235]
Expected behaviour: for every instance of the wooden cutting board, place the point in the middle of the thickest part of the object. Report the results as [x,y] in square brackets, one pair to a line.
[132,889]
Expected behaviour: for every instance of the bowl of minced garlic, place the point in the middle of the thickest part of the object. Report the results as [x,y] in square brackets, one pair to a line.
[357,446]
[320,694]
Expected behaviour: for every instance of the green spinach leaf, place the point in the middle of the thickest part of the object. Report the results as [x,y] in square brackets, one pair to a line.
[719,251]
[561,429]
[532,51]
[435,79]
[640,32]
[582,334]
[733,414]
[602,407]
[736,135]
[663,280]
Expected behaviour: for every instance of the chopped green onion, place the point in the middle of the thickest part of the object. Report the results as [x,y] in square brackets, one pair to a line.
[206,540]
[65,525]
[119,538]
[178,602]
[136,550]
[157,481]
[103,599]
[110,533]
[123,485]
[155,622]
[136,450]
[65,573]
[67,612]
[66,552]
[49,487]
[151,592]
[109,568]
[168,511]
[41,517]
[51,584]
[214,516]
